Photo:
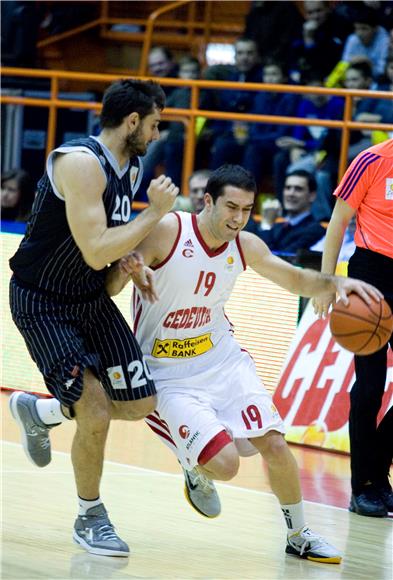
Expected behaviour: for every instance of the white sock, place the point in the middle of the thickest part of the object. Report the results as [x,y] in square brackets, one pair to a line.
[86,504]
[294,516]
[49,411]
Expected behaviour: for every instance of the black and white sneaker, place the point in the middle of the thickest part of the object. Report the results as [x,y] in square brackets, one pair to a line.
[306,544]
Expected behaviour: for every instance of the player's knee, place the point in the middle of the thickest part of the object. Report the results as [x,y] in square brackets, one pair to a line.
[92,410]
[225,465]
[274,448]
[135,410]
[93,423]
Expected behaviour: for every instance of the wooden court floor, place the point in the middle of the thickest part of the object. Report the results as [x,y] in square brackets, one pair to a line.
[143,491]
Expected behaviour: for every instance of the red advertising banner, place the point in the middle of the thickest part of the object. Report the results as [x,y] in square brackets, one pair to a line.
[313,392]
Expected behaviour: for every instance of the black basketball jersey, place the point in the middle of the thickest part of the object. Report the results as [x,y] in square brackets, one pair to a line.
[48,257]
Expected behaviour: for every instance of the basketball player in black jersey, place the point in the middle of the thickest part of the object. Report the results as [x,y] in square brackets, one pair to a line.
[84,348]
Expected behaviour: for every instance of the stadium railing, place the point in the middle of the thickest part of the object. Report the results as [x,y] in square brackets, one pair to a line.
[189,116]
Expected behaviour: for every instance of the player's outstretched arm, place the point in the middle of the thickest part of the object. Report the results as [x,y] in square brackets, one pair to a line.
[304,282]
[79,178]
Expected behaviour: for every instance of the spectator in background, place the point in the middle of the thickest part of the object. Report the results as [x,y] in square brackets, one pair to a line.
[348,246]
[169,150]
[299,149]
[226,134]
[369,41]
[390,47]
[17,195]
[173,146]
[273,26]
[386,81]
[197,187]
[349,8]
[367,110]
[161,64]
[259,150]
[321,42]
[271,211]
[19,32]
[194,202]
[258,145]
[299,230]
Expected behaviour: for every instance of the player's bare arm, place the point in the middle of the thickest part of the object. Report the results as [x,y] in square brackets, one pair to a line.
[131,267]
[156,246]
[339,221]
[304,282]
[151,251]
[79,178]
[120,273]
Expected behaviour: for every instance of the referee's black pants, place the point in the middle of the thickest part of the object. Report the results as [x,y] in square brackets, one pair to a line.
[371,445]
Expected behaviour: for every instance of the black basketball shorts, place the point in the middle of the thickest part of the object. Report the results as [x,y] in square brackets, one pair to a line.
[64,338]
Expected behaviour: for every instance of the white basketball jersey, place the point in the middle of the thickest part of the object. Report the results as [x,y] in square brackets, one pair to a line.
[187,330]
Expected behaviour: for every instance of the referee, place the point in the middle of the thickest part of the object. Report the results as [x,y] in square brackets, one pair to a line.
[367,190]
[84,348]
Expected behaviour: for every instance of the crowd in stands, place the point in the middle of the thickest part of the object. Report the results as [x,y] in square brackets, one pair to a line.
[345,44]
[324,44]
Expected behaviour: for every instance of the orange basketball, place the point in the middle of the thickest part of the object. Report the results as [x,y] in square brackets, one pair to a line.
[359,327]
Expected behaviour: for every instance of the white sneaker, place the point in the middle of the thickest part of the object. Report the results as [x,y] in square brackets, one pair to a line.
[306,544]
[201,493]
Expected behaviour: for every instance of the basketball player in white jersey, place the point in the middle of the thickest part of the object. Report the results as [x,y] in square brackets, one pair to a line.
[212,406]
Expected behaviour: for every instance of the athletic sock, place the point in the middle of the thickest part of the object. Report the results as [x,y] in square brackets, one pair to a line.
[49,411]
[294,516]
[86,504]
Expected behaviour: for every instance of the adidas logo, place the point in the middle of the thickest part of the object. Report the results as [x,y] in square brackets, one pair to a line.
[189,244]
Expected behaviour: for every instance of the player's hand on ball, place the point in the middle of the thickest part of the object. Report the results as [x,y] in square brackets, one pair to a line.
[366,291]
[322,304]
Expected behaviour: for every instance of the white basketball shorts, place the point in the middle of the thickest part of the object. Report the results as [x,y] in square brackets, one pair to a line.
[230,396]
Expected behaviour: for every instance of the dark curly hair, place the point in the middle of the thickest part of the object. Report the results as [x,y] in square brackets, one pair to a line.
[127,96]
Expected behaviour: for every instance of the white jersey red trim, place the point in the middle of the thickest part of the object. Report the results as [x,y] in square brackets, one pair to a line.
[187,330]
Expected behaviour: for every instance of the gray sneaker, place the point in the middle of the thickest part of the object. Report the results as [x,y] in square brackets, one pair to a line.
[95,533]
[201,493]
[306,544]
[35,434]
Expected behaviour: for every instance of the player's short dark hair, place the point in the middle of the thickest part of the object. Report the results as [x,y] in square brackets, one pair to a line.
[128,96]
[234,175]
[311,181]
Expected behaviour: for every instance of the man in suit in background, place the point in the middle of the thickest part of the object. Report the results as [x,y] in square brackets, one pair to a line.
[299,230]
